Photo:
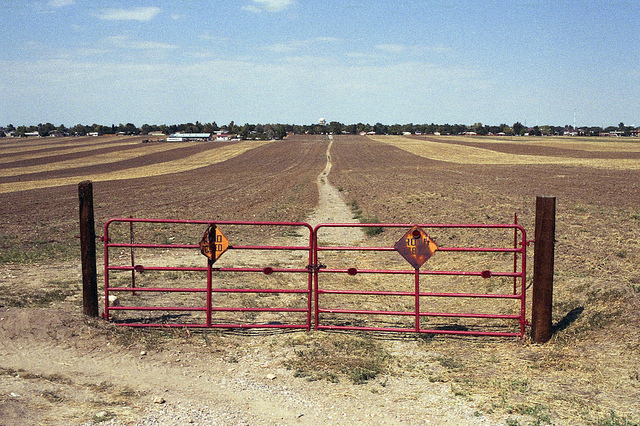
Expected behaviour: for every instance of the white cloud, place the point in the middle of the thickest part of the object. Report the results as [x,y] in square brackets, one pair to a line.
[251,8]
[125,41]
[268,5]
[207,36]
[411,49]
[99,90]
[392,48]
[296,45]
[133,14]
[60,3]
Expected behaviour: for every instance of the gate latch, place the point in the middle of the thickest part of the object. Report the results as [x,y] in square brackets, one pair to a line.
[316,268]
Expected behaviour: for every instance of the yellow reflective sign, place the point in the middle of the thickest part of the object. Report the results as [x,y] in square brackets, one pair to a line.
[213,243]
[416,247]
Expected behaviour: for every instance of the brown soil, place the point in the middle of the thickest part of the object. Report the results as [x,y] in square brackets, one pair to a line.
[58,367]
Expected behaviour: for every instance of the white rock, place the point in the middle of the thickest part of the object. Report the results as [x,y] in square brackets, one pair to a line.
[113,300]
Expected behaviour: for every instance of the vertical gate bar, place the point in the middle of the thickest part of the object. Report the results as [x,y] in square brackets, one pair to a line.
[209,290]
[313,267]
[213,230]
[515,254]
[523,285]
[106,270]
[310,291]
[417,297]
[133,261]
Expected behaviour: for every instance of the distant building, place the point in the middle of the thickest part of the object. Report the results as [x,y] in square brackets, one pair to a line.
[184,137]
[614,133]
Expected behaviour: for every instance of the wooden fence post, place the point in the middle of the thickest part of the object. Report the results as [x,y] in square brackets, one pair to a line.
[543,269]
[88,250]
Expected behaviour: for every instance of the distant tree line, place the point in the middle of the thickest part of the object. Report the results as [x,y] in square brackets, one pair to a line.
[279,131]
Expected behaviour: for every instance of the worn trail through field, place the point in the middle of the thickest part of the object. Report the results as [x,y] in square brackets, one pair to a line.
[333,209]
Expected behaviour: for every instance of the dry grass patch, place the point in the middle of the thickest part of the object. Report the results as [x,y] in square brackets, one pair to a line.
[25,152]
[24,146]
[593,144]
[443,151]
[213,156]
[325,356]
[92,160]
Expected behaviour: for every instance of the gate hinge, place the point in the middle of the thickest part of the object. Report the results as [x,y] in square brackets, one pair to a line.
[528,242]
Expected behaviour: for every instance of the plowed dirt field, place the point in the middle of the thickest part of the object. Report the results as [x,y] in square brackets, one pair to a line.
[59,368]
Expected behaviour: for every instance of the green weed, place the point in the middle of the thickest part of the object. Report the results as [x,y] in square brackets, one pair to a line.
[614,420]
[370,231]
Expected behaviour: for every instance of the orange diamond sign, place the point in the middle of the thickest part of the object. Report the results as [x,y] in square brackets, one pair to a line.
[213,243]
[416,247]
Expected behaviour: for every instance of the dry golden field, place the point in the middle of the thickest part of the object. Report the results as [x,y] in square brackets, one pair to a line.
[589,373]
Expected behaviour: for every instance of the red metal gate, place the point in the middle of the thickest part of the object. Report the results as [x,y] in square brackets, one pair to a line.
[374,288]
[194,292]
[474,283]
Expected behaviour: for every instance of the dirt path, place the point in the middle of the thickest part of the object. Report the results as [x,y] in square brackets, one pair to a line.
[333,209]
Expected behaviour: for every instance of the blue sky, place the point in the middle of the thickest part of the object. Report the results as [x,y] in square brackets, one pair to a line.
[294,61]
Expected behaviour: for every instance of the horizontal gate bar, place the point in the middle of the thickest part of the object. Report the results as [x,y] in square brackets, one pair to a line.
[422,314]
[351,271]
[425,331]
[196,246]
[156,308]
[204,269]
[225,326]
[421,294]
[453,249]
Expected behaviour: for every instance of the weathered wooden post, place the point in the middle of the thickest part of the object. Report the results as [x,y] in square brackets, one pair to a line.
[88,250]
[543,269]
